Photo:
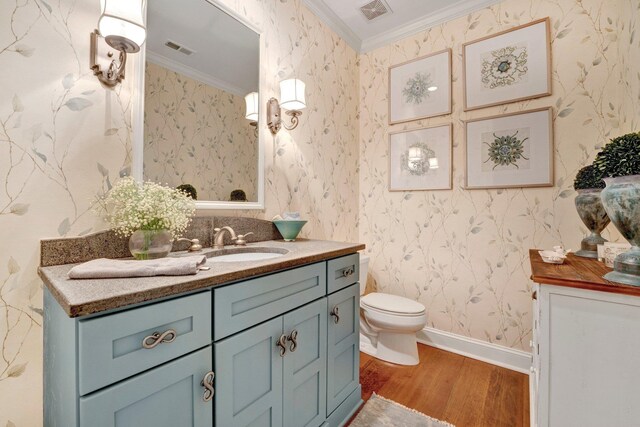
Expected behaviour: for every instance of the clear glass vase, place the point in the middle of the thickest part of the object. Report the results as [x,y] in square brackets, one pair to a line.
[150,244]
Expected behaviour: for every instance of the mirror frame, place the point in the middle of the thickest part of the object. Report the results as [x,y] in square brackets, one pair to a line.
[137,119]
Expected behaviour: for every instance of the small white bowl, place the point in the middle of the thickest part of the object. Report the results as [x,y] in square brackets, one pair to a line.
[552,257]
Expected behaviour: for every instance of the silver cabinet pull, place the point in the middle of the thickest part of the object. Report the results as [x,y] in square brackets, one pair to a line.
[336,314]
[293,337]
[207,383]
[282,343]
[348,272]
[157,338]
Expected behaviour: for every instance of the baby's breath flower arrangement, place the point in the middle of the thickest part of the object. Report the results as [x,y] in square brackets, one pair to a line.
[131,207]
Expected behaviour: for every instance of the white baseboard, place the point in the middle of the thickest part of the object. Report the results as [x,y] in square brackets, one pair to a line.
[505,357]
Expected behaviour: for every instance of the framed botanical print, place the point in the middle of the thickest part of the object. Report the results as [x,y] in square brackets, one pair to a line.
[510,150]
[420,88]
[420,159]
[510,66]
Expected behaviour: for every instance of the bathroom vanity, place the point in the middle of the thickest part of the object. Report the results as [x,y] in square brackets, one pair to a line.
[258,343]
[586,346]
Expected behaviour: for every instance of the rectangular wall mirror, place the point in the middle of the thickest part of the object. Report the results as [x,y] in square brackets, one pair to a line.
[200,72]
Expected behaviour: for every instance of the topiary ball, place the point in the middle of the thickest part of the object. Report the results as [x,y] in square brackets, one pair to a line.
[588,177]
[620,157]
[189,190]
[238,196]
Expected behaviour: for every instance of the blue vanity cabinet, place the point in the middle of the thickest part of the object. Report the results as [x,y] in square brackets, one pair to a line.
[343,353]
[274,374]
[279,350]
[142,366]
[248,369]
[168,396]
[305,365]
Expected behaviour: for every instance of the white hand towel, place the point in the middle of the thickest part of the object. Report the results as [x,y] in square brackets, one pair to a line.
[104,268]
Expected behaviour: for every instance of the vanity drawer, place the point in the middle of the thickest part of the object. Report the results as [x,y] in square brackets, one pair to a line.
[342,272]
[242,305]
[114,347]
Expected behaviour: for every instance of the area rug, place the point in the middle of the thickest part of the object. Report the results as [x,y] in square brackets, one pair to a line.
[381,412]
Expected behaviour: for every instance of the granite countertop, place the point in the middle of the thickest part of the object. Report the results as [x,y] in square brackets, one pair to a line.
[90,296]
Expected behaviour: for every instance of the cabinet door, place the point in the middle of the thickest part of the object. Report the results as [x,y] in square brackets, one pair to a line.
[167,396]
[249,377]
[343,352]
[305,365]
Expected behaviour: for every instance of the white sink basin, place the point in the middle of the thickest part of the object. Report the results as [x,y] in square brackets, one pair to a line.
[237,254]
[245,256]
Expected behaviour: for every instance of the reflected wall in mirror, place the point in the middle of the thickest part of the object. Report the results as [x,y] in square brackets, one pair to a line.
[201,63]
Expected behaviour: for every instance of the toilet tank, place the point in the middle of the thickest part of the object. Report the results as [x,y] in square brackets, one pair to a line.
[364,269]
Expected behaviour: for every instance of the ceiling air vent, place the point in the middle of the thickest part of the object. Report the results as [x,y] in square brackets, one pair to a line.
[375,9]
[179,48]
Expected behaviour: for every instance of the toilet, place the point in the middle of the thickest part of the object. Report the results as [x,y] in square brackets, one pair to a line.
[388,323]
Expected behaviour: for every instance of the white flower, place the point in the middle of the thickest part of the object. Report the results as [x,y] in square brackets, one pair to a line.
[132,206]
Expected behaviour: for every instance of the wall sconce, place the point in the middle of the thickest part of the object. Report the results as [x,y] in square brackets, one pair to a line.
[292,99]
[121,24]
[252,101]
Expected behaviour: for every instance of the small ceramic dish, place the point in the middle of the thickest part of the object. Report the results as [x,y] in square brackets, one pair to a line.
[552,257]
[289,228]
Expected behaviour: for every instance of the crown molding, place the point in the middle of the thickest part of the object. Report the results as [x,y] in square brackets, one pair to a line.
[333,21]
[455,10]
[185,70]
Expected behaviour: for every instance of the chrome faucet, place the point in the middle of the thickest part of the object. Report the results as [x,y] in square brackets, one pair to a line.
[218,238]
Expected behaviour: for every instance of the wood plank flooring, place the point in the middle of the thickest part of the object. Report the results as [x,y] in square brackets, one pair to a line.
[450,387]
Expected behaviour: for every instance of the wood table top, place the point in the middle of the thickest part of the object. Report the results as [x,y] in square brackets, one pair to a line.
[577,272]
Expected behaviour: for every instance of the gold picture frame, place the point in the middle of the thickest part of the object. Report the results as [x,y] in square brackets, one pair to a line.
[441,140]
[496,46]
[442,107]
[543,177]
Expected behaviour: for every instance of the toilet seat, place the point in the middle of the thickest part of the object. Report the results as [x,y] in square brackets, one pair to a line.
[392,304]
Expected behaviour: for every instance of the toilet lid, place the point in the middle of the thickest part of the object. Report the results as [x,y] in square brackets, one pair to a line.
[392,303]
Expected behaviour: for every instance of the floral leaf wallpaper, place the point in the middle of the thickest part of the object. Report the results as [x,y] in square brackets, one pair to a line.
[197,134]
[464,253]
[54,159]
[65,139]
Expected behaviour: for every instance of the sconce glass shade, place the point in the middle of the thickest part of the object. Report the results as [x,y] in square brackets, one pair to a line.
[292,94]
[122,24]
[252,102]
[433,163]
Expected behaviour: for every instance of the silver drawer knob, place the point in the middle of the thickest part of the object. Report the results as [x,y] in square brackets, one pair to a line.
[157,338]
[207,383]
[282,343]
[293,337]
[336,314]
[348,272]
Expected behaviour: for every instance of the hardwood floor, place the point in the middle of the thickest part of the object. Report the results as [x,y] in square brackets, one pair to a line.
[452,388]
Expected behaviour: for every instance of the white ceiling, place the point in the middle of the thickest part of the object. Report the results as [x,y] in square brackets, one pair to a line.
[407,17]
[227,53]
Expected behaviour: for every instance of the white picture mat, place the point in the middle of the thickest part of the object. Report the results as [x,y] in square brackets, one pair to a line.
[539,124]
[439,140]
[438,102]
[537,82]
